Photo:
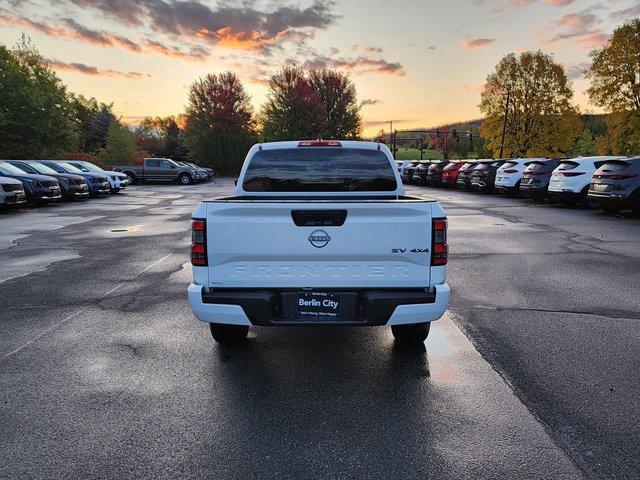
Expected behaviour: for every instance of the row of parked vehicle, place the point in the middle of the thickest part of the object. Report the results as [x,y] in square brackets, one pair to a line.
[610,183]
[38,182]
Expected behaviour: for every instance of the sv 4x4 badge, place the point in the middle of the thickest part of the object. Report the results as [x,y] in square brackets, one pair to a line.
[409,250]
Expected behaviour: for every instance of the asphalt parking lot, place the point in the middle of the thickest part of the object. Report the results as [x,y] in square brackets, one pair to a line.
[104,371]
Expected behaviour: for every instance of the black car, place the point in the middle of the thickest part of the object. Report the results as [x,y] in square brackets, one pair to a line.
[464,176]
[97,182]
[39,189]
[420,173]
[72,186]
[536,178]
[483,176]
[616,185]
[434,173]
[407,174]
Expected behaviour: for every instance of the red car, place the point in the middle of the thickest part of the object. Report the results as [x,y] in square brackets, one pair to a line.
[450,174]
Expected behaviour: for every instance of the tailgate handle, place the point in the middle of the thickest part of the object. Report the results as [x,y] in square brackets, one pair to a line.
[319,218]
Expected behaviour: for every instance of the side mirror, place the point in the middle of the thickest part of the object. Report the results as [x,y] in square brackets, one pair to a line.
[235,182]
[173,166]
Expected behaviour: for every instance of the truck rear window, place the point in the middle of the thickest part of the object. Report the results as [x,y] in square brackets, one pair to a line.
[319,170]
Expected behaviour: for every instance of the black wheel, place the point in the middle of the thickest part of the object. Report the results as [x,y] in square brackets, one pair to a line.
[415,333]
[228,333]
[636,205]
[131,176]
[185,179]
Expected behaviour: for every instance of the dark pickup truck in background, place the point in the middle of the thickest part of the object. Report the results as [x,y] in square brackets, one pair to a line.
[159,170]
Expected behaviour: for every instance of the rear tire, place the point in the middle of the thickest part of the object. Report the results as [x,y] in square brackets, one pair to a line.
[413,334]
[228,333]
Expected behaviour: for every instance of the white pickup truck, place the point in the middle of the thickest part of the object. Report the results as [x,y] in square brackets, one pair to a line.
[319,233]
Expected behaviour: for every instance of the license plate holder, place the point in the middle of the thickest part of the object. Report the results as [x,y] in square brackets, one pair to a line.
[318,306]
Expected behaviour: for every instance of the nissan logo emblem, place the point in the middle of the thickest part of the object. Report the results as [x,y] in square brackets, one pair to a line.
[319,238]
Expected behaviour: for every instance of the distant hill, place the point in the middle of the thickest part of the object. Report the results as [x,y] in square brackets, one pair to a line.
[595,123]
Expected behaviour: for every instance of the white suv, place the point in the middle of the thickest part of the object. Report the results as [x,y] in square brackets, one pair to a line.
[570,181]
[510,174]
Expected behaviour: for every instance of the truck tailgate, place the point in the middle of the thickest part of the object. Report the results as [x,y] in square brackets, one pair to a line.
[258,244]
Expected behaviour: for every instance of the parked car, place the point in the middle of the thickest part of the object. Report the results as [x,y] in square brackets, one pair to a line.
[407,174]
[420,173]
[11,192]
[205,173]
[434,172]
[509,175]
[463,182]
[570,181]
[98,184]
[483,176]
[117,180]
[39,189]
[536,177]
[450,174]
[333,207]
[196,173]
[71,186]
[401,166]
[616,185]
[158,170]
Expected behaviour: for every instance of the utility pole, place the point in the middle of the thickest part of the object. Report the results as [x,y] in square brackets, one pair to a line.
[504,124]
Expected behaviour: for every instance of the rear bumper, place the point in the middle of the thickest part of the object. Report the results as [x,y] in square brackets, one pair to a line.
[610,199]
[533,191]
[264,307]
[567,195]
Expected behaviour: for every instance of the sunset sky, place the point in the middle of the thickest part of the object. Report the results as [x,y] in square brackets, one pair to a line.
[418,63]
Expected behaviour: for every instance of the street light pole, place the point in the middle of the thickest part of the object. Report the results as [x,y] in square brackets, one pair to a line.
[504,123]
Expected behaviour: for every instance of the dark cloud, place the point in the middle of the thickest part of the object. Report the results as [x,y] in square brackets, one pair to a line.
[356,65]
[370,101]
[242,26]
[578,70]
[94,71]
[633,11]
[474,43]
[100,37]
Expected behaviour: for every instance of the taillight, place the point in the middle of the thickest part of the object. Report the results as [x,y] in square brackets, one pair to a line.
[571,174]
[510,170]
[440,249]
[199,242]
[616,176]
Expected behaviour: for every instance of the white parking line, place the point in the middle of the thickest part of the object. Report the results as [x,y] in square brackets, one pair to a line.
[73,315]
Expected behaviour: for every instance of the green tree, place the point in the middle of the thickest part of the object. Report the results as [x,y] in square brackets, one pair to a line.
[120,144]
[36,117]
[586,144]
[294,109]
[615,86]
[541,120]
[219,125]
[338,96]
[91,122]
[623,134]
